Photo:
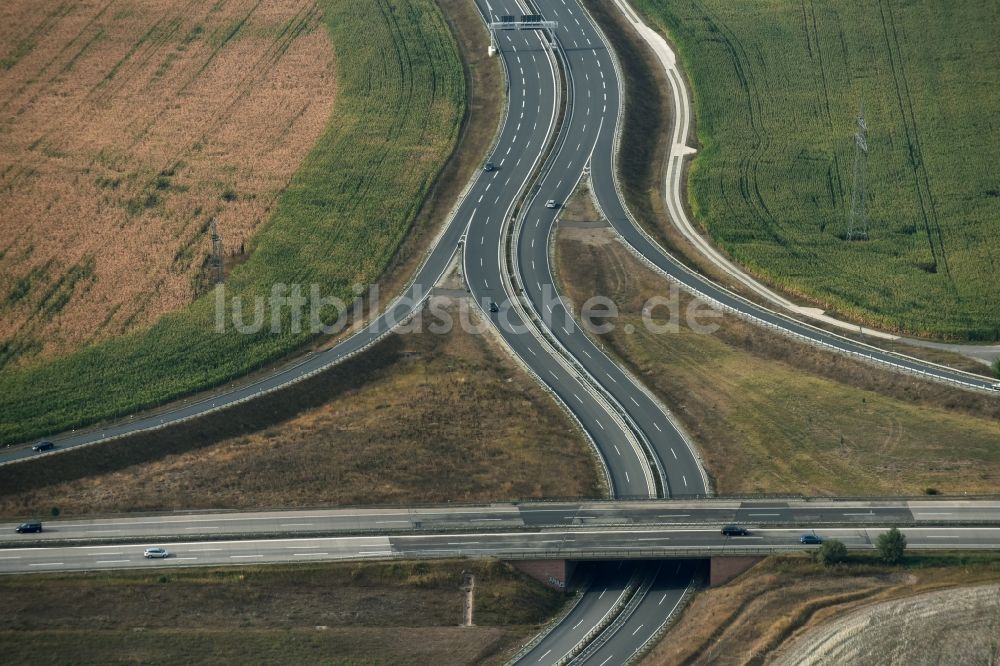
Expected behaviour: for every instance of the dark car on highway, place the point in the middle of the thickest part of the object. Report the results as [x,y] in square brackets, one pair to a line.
[811,539]
[30,526]
[43,446]
[735,530]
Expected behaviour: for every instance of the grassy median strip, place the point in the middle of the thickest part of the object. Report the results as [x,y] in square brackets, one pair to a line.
[400,103]
[777,88]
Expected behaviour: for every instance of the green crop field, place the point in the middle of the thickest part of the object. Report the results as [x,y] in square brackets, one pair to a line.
[399,106]
[777,89]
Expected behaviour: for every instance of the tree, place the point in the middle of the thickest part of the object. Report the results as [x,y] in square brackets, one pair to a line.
[891,545]
[831,552]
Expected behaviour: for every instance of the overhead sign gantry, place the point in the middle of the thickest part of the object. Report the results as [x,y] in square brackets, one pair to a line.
[524,22]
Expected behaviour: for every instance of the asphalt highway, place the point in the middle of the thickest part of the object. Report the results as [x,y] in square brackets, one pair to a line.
[670,580]
[636,439]
[593,109]
[607,543]
[706,513]
[532,86]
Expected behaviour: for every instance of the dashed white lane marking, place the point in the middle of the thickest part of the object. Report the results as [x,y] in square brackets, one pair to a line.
[480,262]
[637,629]
[578,146]
[578,398]
[532,351]
[673,452]
[585,352]
[547,652]
[657,427]
[685,479]
[553,374]
[662,599]
[486,283]
[633,400]
[481,198]
[616,450]
[599,423]
[627,480]
[112,561]
[611,378]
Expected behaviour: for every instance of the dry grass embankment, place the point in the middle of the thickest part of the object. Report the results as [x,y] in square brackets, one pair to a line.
[405,613]
[419,418]
[772,415]
[125,130]
[746,620]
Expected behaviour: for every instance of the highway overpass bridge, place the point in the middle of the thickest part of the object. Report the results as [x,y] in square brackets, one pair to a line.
[542,536]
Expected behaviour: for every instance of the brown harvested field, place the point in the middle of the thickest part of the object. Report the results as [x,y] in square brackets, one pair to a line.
[771,415]
[775,602]
[353,613]
[958,626]
[419,418]
[125,129]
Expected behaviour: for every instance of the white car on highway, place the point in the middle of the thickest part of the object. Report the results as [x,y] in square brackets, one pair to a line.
[158,553]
